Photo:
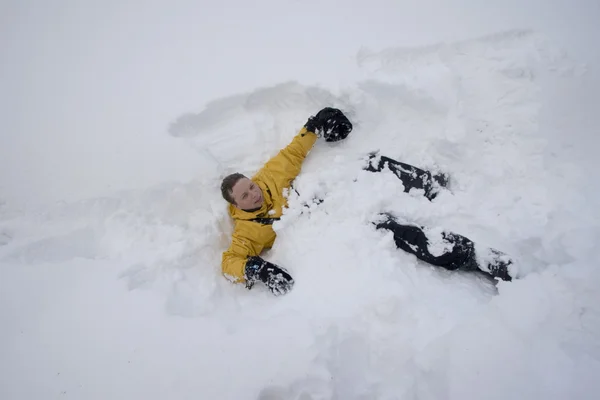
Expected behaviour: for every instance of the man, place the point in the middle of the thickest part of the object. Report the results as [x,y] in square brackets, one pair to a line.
[258,202]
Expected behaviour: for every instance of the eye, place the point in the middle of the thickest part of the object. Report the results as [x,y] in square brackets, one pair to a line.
[244,196]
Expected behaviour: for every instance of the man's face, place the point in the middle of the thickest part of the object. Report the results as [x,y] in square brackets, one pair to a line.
[247,195]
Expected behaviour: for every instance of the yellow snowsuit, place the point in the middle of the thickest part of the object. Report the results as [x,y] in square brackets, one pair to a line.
[251,237]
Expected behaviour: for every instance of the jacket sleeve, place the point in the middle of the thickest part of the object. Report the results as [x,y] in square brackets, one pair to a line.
[234,259]
[286,165]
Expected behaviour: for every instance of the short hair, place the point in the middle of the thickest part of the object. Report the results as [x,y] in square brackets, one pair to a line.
[227,186]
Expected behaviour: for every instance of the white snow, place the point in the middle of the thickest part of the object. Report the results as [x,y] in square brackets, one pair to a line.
[436,244]
[120,295]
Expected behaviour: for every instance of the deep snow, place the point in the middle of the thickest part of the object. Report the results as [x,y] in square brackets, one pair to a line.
[121,296]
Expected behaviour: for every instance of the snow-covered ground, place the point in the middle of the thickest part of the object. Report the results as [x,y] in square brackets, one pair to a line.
[120,295]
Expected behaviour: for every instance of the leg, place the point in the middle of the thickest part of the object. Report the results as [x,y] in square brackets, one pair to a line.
[450,251]
[411,177]
[413,239]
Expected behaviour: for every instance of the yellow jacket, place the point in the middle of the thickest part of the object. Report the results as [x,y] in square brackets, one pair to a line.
[251,237]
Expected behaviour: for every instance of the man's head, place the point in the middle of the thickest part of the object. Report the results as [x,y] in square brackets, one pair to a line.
[240,191]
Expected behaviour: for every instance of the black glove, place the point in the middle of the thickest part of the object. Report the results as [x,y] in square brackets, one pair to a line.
[331,123]
[314,125]
[277,279]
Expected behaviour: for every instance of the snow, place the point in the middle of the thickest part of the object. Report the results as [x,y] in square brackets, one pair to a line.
[116,291]
[436,243]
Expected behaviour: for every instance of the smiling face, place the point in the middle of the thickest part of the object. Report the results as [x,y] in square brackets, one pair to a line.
[247,195]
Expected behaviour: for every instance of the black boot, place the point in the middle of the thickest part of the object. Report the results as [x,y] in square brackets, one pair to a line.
[497,264]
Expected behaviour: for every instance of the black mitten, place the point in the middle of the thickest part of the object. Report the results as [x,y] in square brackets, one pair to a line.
[314,125]
[277,279]
[331,123]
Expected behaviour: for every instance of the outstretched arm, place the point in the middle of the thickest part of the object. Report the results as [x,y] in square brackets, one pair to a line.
[286,165]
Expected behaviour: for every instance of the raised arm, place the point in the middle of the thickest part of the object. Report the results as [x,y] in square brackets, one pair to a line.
[286,165]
